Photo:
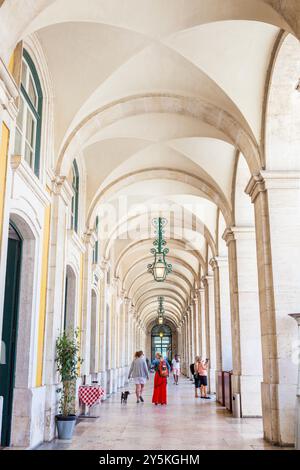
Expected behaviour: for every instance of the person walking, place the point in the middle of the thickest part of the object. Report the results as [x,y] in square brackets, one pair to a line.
[176,368]
[140,374]
[162,370]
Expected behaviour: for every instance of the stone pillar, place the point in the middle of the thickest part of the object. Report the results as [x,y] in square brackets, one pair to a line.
[208,282]
[89,242]
[127,303]
[216,298]
[246,333]
[103,324]
[185,335]
[133,334]
[108,332]
[61,199]
[195,314]
[225,313]
[276,198]
[202,322]
[122,339]
[296,317]
[228,236]
[114,333]
[190,358]
[192,331]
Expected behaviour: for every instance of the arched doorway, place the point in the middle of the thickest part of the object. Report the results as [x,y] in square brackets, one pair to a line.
[10,330]
[161,341]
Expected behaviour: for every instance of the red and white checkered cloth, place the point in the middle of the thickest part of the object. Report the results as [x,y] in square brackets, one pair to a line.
[90,394]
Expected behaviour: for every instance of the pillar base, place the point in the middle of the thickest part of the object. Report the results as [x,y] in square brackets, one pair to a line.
[212,381]
[278,405]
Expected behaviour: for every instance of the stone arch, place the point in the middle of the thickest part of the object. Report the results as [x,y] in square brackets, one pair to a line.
[282,117]
[169,284]
[174,273]
[238,135]
[187,245]
[208,191]
[177,243]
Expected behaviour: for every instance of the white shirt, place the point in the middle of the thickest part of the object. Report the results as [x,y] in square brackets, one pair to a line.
[175,364]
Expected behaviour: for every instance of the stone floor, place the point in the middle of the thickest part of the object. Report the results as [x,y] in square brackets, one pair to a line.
[185,423]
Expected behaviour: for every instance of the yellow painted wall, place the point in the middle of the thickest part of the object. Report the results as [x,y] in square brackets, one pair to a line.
[11,63]
[3,169]
[43,297]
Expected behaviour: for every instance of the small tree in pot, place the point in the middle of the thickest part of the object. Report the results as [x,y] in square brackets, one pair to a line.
[68,366]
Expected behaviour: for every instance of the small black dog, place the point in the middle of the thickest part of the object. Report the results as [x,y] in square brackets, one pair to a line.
[124,396]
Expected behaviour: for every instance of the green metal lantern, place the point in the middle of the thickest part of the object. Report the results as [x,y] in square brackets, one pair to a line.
[159,268]
[160,310]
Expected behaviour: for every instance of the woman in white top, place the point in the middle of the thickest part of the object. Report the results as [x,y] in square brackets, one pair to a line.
[176,368]
[140,374]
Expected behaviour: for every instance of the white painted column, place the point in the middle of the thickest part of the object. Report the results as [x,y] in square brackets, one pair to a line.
[247,376]
[61,198]
[185,334]
[225,313]
[195,312]
[202,323]
[217,332]
[103,325]
[211,350]
[89,242]
[114,333]
[276,197]
[192,331]
[190,338]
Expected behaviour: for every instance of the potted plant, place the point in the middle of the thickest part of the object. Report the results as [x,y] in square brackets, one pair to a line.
[68,365]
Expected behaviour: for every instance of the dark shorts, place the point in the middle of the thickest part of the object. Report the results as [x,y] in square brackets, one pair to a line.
[200,380]
[197,381]
[203,380]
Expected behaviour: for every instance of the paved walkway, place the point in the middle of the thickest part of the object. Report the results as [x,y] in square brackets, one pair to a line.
[185,423]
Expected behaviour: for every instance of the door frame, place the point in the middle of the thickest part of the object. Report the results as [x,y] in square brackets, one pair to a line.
[6,433]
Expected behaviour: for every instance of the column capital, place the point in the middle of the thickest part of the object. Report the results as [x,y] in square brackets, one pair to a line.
[228,236]
[209,278]
[127,301]
[61,187]
[296,317]
[213,263]
[123,294]
[104,265]
[89,237]
[255,186]
[204,281]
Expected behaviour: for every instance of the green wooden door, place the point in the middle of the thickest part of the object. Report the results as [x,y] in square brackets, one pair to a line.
[9,331]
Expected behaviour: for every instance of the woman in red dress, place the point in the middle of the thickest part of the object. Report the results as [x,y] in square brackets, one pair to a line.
[160,380]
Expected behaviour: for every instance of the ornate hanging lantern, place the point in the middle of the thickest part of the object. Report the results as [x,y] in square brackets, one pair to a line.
[160,310]
[159,268]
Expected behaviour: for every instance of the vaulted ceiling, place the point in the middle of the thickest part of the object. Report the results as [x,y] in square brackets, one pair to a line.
[156,97]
